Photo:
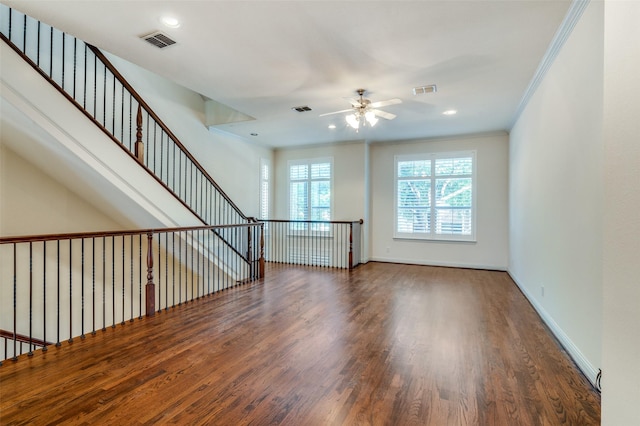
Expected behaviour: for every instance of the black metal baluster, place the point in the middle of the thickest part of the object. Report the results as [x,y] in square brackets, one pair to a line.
[123,283]
[75,65]
[180,272]
[10,29]
[50,47]
[82,289]
[104,101]
[15,302]
[190,183]
[93,286]
[130,120]
[24,34]
[155,142]
[38,46]
[113,112]
[58,294]
[70,291]
[63,55]
[84,84]
[95,87]
[159,275]
[104,284]
[44,295]
[192,270]
[113,282]
[30,298]
[148,146]
[166,270]
[162,153]
[131,273]
[173,268]
[140,277]
[173,177]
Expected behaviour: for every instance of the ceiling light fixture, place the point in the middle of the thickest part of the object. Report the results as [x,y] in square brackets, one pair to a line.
[450,112]
[332,126]
[361,118]
[170,21]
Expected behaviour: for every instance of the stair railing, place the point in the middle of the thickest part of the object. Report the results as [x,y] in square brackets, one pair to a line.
[334,244]
[57,288]
[82,74]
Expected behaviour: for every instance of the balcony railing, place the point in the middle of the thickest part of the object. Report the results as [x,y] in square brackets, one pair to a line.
[82,74]
[56,288]
[335,244]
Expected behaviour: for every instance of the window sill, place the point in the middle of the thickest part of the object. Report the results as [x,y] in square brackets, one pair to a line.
[465,239]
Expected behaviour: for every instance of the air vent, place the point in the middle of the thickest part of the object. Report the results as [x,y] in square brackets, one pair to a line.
[158,39]
[421,90]
[303,108]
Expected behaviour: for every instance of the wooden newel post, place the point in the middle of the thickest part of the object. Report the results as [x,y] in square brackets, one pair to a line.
[139,146]
[150,288]
[351,245]
[262,250]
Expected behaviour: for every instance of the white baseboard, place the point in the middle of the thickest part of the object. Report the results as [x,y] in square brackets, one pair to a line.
[578,357]
[432,263]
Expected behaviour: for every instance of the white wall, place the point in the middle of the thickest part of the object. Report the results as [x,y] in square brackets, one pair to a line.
[32,202]
[232,162]
[556,194]
[621,343]
[490,250]
[348,178]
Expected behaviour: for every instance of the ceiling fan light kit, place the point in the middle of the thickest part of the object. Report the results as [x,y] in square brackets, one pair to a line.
[364,112]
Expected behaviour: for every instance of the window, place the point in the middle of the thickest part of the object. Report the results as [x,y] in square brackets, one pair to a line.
[435,196]
[310,189]
[264,188]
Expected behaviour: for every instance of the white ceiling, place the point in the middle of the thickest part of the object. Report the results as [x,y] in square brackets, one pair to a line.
[264,57]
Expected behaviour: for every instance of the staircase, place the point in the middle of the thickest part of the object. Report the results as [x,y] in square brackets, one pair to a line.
[79,111]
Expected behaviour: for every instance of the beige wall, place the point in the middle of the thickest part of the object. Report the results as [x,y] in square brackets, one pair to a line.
[621,343]
[556,194]
[348,178]
[32,202]
[363,187]
[489,250]
[232,162]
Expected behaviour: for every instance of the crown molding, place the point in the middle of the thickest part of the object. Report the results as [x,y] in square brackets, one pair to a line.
[562,34]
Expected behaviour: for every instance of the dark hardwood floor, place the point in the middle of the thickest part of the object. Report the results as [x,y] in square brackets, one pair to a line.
[383,345]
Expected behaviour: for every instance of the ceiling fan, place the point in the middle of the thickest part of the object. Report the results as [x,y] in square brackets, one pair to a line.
[364,112]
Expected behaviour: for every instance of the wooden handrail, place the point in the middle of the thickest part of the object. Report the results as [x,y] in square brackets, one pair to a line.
[22,338]
[141,102]
[96,122]
[163,126]
[361,221]
[75,235]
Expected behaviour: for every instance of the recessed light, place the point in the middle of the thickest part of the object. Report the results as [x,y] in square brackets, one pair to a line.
[254,134]
[450,112]
[332,126]
[170,21]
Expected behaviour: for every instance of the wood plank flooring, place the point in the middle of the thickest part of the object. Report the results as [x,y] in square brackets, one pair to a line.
[384,344]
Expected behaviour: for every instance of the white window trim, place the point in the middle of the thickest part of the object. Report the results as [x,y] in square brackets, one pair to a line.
[264,162]
[432,236]
[309,161]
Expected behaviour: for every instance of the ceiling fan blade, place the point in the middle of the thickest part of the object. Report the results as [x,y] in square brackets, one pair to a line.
[354,102]
[336,112]
[385,103]
[383,114]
